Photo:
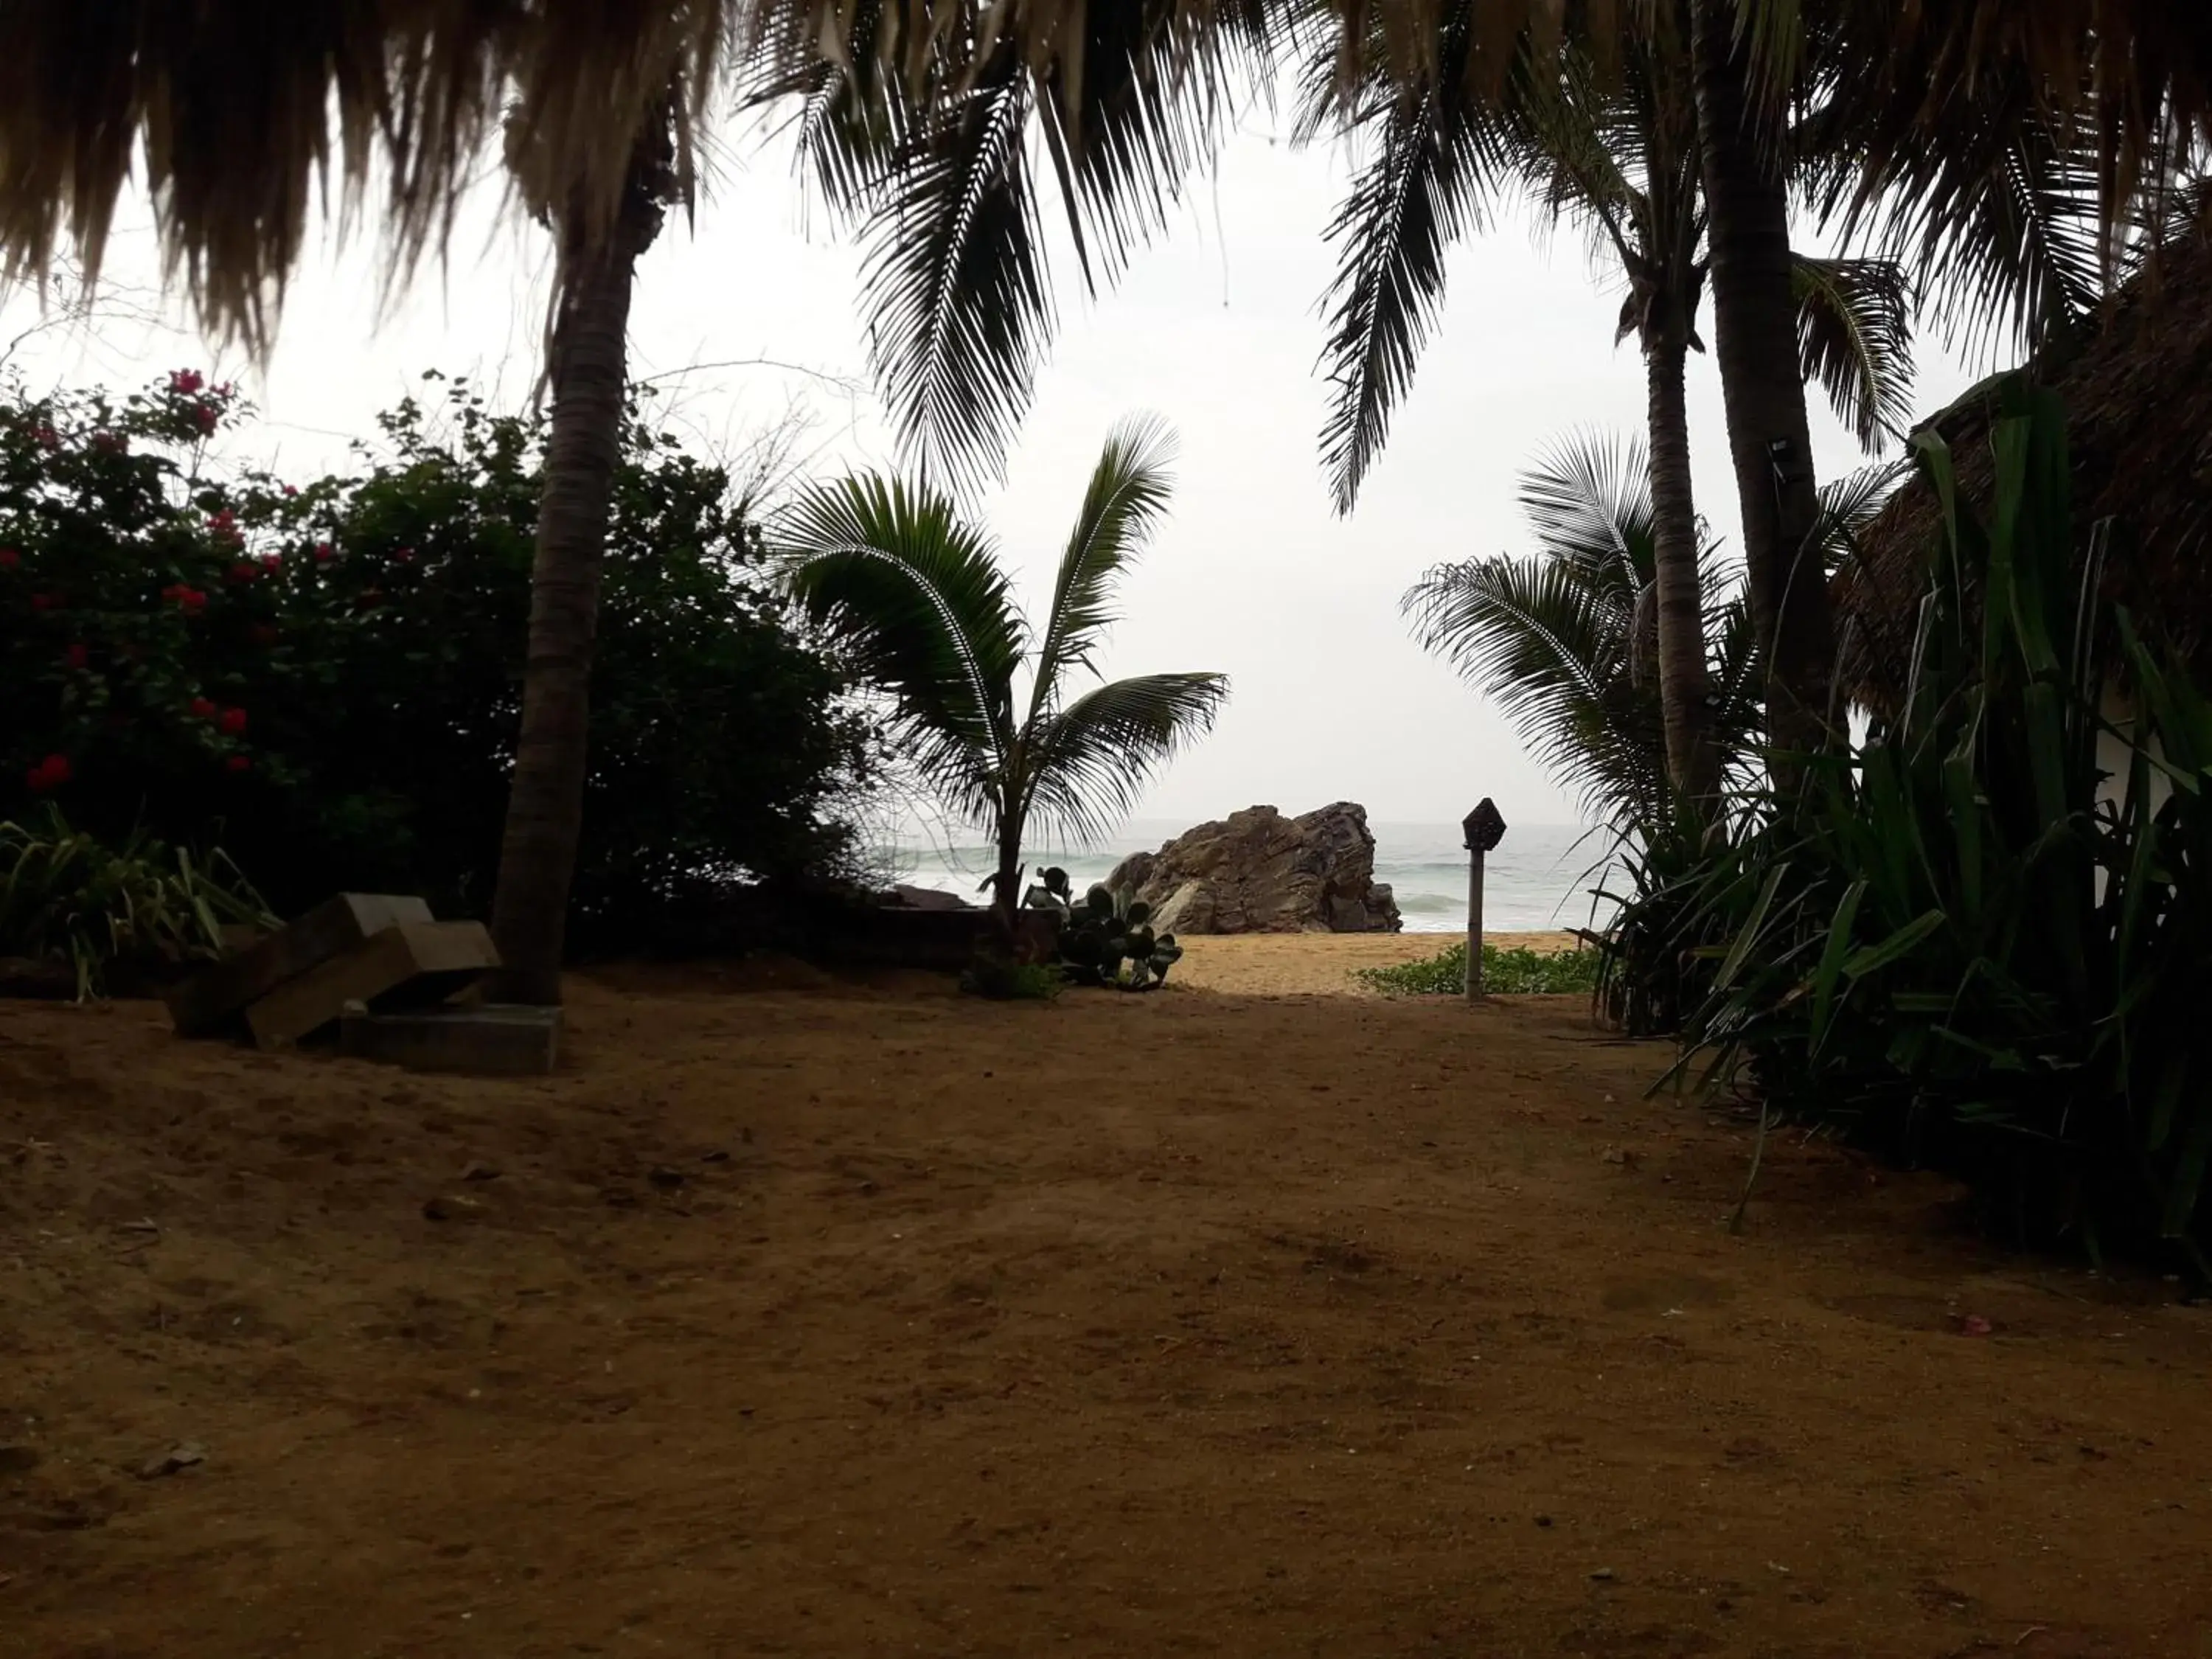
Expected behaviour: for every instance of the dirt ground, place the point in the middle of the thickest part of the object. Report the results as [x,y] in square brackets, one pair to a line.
[803,1318]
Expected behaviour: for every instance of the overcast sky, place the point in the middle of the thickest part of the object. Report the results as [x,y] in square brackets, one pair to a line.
[1216,326]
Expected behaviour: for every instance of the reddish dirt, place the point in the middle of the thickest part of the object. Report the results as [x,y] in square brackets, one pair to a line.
[1177,1324]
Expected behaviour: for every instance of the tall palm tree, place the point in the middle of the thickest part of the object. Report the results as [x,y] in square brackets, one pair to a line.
[1614,148]
[920,600]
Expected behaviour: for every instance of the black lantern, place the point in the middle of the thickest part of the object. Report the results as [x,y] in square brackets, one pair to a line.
[1485,828]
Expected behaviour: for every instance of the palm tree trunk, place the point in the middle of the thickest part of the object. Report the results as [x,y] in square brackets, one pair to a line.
[1755,323]
[1005,898]
[1692,765]
[545,798]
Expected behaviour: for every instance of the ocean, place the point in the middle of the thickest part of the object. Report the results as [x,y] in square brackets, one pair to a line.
[1538,877]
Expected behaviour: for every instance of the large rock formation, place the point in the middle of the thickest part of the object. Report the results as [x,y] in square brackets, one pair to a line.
[1258,871]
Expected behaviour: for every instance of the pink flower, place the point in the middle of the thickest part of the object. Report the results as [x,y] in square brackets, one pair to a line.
[404,556]
[50,774]
[185,381]
[48,438]
[325,552]
[233,722]
[272,561]
[202,709]
[206,417]
[238,763]
[77,656]
[291,489]
[109,443]
[244,571]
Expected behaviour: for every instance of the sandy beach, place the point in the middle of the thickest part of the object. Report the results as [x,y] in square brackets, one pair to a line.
[1318,964]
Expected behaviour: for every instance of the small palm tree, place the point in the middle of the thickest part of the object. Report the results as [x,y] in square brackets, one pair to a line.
[920,600]
[1565,640]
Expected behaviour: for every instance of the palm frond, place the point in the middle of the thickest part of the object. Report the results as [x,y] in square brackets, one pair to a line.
[1850,503]
[1428,152]
[1587,497]
[1092,759]
[1535,636]
[1855,338]
[959,304]
[918,601]
[1127,498]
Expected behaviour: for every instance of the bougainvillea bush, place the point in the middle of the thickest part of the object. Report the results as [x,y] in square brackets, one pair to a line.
[325,674]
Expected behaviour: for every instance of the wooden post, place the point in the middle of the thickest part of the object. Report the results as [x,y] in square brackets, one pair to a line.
[1475,927]
[1485,827]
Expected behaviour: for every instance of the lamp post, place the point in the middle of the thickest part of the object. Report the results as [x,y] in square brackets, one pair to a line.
[1484,828]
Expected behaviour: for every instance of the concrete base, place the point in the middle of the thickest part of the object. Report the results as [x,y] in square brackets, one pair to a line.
[493,1039]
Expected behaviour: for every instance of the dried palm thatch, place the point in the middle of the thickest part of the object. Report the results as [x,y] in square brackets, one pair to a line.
[238,116]
[2138,397]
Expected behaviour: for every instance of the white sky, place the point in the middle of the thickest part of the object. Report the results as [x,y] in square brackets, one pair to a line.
[1217,327]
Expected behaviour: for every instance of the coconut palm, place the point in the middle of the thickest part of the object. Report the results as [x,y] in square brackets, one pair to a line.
[1563,640]
[1613,148]
[920,600]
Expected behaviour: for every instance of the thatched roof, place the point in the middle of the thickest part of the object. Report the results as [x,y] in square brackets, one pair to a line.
[241,112]
[2138,400]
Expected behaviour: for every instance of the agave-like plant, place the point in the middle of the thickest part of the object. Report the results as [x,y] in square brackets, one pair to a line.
[920,599]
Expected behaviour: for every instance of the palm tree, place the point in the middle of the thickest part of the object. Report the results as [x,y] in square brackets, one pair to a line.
[1563,640]
[1614,148]
[921,602]
[587,372]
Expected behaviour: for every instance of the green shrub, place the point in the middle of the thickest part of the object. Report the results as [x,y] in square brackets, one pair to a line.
[1108,940]
[1507,972]
[327,675]
[1943,944]
[134,914]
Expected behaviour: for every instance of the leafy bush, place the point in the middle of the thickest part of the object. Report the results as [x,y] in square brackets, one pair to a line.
[331,672]
[134,913]
[1944,943]
[1512,971]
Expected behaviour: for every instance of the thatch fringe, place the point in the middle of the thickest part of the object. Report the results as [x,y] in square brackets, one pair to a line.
[243,114]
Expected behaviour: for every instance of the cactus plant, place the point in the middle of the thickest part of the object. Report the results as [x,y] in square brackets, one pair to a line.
[1109,940]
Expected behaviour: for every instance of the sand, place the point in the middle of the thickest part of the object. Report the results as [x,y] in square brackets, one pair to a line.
[803,1317]
[1292,964]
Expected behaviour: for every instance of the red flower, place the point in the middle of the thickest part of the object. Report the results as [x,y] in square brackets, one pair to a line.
[9,558]
[49,773]
[272,561]
[192,601]
[264,634]
[77,656]
[185,381]
[233,722]
[48,438]
[370,597]
[206,417]
[109,443]
[325,552]
[244,572]
[46,601]
[404,556]
[238,763]
[291,489]
[202,709]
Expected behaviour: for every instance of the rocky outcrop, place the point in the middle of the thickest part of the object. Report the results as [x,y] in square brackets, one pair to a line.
[1257,872]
